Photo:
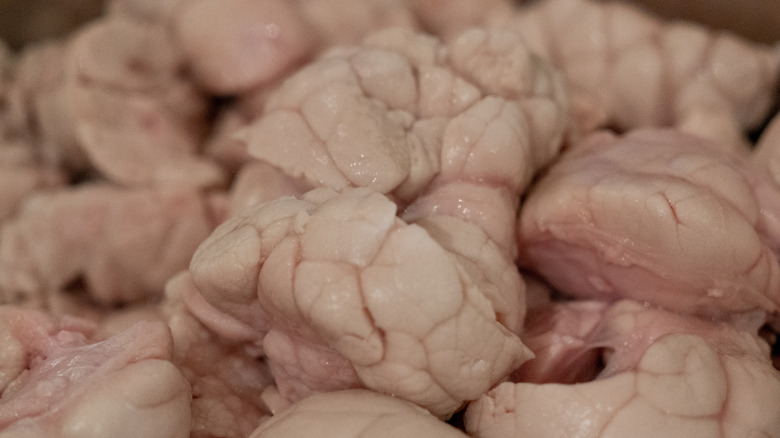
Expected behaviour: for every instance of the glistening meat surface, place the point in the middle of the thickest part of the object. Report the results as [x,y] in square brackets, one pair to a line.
[657,216]
[368,161]
[340,293]
[400,109]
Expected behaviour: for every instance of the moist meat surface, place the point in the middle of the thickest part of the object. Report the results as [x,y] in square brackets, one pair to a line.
[262,218]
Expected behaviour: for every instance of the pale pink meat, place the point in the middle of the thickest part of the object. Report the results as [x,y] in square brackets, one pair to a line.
[262,218]
[252,43]
[449,17]
[560,337]
[21,175]
[456,129]
[57,382]
[366,299]
[112,98]
[352,414]
[656,216]
[227,378]
[664,375]
[28,111]
[392,113]
[343,22]
[626,68]
[122,244]
[258,182]
[249,42]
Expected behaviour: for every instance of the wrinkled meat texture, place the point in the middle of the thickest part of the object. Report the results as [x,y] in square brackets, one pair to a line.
[626,68]
[341,293]
[664,375]
[227,379]
[401,108]
[122,244]
[352,414]
[56,382]
[656,216]
[461,128]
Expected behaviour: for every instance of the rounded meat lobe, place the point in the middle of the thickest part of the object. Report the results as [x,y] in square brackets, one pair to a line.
[228,377]
[119,105]
[659,73]
[73,386]
[353,413]
[655,216]
[127,54]
[661,373]
[402,109]
[367,299]
[248,44]
[134,140]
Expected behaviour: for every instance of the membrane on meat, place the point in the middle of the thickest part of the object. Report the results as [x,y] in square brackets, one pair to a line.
[57,381]
[340,293]
[656,216]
